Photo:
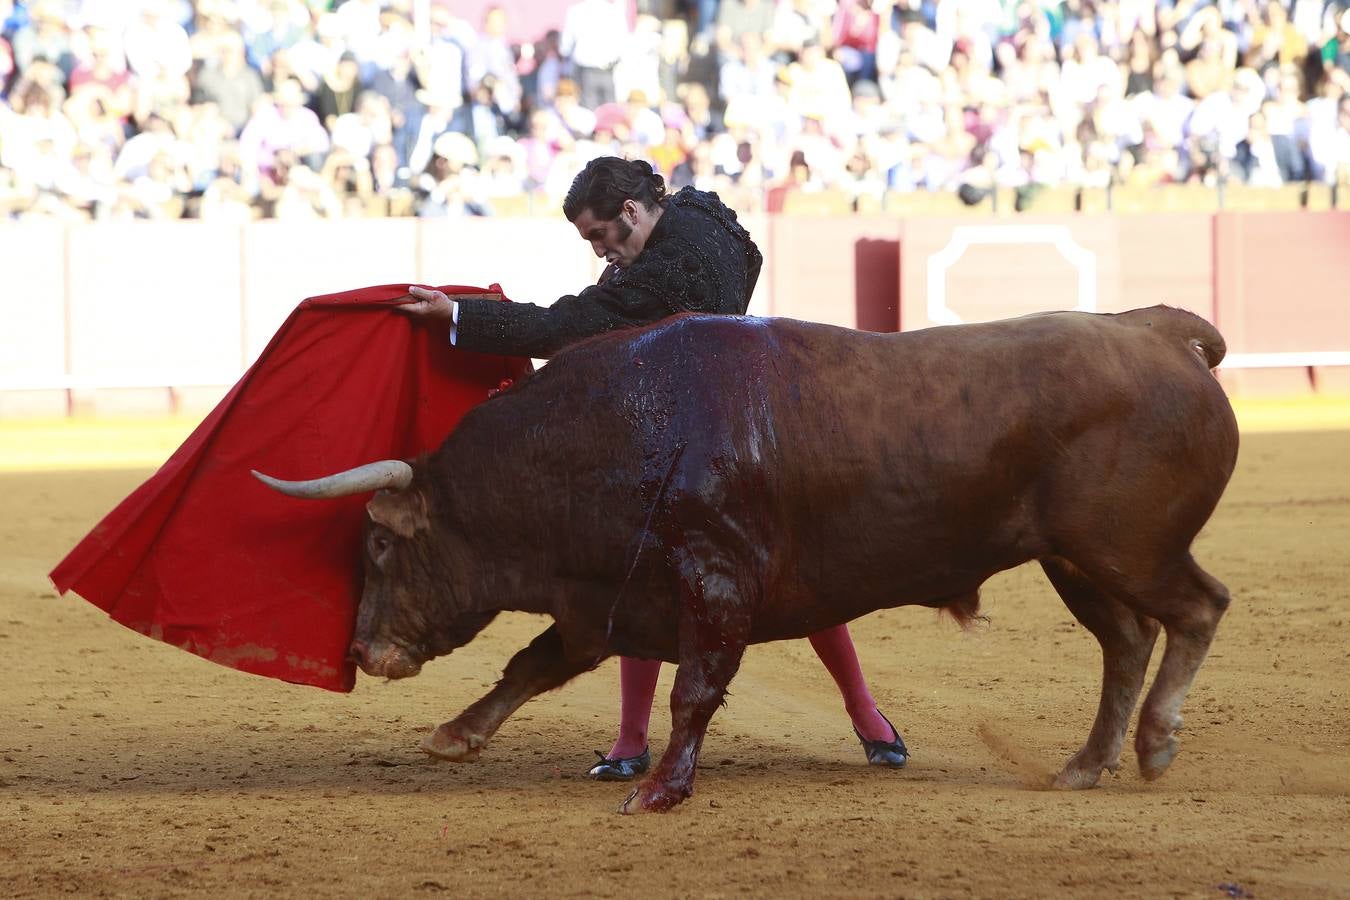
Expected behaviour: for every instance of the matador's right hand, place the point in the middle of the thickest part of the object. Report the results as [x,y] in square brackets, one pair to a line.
[428,304]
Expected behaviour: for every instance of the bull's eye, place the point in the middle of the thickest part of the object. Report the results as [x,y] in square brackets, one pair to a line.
[379,546]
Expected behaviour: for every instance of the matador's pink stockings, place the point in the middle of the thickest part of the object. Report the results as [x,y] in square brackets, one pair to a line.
[835,649]
[637,685]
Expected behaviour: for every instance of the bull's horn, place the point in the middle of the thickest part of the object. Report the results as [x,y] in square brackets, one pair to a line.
[393,474]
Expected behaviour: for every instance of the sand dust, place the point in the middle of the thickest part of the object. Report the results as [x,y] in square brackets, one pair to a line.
[130,768]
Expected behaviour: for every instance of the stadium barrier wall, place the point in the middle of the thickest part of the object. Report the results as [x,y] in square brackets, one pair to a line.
[1283,287]
[150,316]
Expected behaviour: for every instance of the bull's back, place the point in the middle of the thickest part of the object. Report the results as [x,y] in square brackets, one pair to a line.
[952,396]
[830,406]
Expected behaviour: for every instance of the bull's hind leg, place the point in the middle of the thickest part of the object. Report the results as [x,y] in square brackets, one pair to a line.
[541,666]
[713,628]
[1127,640]
[1189,605]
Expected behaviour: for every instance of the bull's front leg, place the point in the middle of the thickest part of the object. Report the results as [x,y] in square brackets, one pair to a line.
[541,666]
[714,627]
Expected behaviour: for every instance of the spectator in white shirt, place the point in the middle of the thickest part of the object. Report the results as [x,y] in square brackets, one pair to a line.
[156,137]
[1256,159]
[1167,109]
[747,72]
[1329,146]
[639,65]
[593,37]
[491,57]
[284,124]
[156,45]
[819,85]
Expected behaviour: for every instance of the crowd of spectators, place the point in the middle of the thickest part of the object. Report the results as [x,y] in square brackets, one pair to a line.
[235,109]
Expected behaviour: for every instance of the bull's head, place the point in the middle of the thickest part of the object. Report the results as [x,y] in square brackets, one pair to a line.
[407,614]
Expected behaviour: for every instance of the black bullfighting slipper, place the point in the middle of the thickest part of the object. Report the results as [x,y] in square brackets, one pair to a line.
[892,754]
[620,769]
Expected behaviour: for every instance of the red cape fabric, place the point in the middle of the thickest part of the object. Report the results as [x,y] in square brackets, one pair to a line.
[208,559]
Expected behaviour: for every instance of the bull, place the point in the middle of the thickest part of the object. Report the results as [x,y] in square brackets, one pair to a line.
[681,491]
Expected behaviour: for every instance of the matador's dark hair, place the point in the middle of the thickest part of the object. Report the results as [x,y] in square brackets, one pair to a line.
[607,182]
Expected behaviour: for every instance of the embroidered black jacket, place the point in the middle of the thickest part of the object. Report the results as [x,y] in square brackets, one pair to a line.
[698,258]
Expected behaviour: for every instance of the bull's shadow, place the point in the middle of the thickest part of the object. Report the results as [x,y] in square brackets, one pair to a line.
[159,764]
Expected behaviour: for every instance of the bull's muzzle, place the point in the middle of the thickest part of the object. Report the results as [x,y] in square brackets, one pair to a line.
[389,661]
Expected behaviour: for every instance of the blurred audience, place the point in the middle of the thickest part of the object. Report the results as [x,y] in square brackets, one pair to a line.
[238,109]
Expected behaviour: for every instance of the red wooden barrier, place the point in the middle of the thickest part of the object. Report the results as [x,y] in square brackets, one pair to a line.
[1283,285]
[842,271]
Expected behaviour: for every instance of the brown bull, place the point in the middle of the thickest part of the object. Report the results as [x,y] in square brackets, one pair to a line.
[685,490]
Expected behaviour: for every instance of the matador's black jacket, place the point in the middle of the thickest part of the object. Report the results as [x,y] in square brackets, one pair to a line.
[698,258]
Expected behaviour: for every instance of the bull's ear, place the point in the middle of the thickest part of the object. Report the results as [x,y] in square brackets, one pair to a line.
[402,512]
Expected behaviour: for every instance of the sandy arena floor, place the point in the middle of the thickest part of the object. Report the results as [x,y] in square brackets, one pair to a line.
[130,768]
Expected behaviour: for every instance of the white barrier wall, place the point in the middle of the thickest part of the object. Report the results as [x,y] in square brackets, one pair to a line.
[126,316]
[132,316]
[156,299]
[283,263]
[32,304]
[534,260]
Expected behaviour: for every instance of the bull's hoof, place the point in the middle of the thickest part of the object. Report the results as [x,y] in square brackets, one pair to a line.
[631,805]
[1154,762]
[453,743]
[1156,746]
[649,797]
[1073,778]
[1083,772]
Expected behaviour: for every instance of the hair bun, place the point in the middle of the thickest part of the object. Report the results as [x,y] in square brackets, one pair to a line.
[658,182]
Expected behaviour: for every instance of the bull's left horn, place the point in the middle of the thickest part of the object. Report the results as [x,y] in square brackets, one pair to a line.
[393,474]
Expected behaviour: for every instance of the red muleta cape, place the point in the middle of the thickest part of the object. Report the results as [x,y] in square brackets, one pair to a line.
[206,558]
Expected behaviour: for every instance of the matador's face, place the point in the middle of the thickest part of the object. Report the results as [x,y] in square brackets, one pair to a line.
[619,240]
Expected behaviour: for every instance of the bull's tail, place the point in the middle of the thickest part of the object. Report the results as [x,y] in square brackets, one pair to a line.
[964,608]
[1198,335]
